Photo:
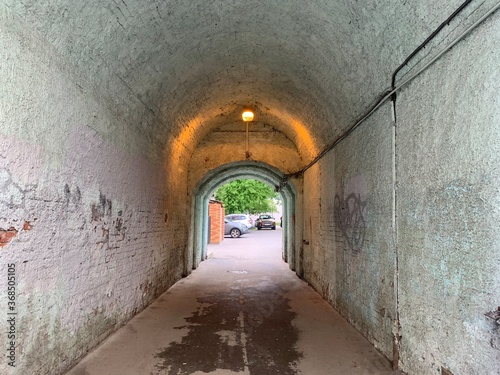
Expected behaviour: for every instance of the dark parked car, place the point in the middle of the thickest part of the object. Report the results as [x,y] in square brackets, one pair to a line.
[265,221]
[234,229]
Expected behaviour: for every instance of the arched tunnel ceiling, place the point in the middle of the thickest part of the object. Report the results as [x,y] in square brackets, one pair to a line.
[308,68]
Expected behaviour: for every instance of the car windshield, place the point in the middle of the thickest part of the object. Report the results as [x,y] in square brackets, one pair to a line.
[265,216]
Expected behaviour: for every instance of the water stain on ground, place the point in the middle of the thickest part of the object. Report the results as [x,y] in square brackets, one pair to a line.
[248,329]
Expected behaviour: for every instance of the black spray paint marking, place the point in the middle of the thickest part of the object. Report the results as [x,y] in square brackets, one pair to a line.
[349,219]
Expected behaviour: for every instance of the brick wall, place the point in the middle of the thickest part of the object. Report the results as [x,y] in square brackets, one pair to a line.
[216,213]
[86,217]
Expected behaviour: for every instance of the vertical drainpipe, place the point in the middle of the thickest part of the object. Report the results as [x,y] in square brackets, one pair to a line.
[290,229]
[191,239]
[204,230]
[284,239]
[396,328]
[198,232]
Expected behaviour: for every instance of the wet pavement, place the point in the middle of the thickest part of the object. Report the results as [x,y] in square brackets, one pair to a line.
[241,312]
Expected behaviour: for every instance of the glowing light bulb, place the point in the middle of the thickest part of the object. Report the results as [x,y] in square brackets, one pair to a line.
[247,115]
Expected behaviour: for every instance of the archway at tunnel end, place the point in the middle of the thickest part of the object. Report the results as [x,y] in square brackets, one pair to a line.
[198,237]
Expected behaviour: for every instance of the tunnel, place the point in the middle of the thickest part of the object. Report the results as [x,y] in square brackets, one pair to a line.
[378,122]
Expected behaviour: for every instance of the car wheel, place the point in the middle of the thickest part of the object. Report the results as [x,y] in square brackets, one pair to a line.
[274,228]
[259,228]
[235,233]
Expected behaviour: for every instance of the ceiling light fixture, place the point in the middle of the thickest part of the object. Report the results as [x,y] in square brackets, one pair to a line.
[247,115]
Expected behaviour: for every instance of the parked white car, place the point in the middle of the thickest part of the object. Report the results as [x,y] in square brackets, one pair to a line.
[241,218]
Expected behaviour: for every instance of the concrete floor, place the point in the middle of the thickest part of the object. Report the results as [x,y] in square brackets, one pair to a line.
[241,312]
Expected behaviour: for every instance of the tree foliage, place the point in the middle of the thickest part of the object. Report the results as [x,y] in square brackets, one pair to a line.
[246,197]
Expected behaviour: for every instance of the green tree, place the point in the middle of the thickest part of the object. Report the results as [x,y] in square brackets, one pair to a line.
[246,196]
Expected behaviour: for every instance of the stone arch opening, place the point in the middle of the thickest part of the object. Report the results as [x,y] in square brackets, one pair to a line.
[197,246]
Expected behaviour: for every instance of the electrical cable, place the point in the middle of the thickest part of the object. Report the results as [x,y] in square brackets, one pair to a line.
[388,94]
[429,38]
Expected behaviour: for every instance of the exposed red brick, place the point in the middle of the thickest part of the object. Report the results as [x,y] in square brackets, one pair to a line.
[216,213]
[27,226]
[6,235]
